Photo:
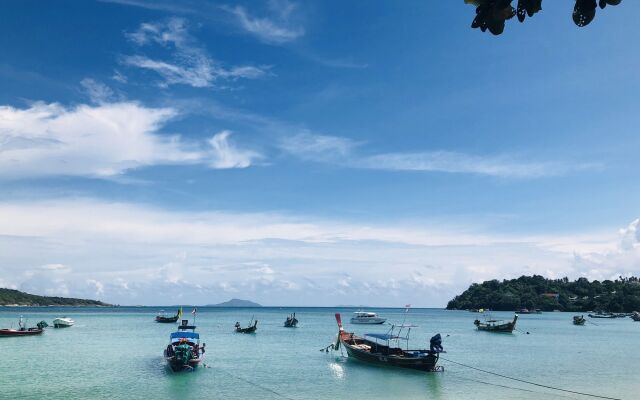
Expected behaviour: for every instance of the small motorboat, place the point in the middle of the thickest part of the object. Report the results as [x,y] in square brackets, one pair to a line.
[184,352]
[529,311]
[23,330]
[163,318]
[364,317]
[386,349]
[291,321]
[579,320]
[603,315]
[635,316]
[63,322]
[495,325]
[253,326]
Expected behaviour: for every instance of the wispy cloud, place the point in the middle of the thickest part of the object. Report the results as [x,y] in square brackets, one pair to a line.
[102,140]
[189,63]
[98,92]
[277,28]
[313,147]
[348,153]
[225,154]
[270,255]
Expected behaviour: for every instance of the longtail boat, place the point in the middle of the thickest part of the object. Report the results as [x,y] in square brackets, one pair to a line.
[495,325]
[249,329]
[184,352]
[23,330]
[579,320]
[603,316]
[162,318]
[384,348]
[291,321]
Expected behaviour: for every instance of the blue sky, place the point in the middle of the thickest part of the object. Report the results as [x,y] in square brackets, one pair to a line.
[312,153]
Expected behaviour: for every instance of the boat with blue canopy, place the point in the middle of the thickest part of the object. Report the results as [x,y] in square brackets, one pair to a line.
[390,348]
[184,352]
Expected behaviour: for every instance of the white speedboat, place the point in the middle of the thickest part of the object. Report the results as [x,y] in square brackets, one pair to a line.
[63,322]
[364,317]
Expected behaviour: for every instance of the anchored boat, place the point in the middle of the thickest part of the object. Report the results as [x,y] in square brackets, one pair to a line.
[253,326]
[63,322]
[635,316]
[364,317]
[291,321]
[385,348]
[495,325]
[23,330]
[163,318]
[579,320]
[603,316]
[184,352]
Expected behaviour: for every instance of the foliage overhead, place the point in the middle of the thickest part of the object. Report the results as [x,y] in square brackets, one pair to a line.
[492,14]
[16,297]
[537,292]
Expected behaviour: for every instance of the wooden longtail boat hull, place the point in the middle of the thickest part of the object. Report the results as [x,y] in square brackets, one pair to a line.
[177,366]
[371,352]
[427,363]
[15,332]
[167,320]
[507,327]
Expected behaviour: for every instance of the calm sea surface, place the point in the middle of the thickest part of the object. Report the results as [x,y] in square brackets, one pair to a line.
[117,354]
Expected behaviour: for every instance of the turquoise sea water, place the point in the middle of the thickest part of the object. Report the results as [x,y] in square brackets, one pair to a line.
[117,354]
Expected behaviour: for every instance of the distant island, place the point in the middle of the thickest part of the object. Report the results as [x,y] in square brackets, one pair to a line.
[235,303]
[537,292]
[11,297]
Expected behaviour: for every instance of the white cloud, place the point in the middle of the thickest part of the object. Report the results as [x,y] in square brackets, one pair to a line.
[279,27]
[144,255]
[313,147]
[103,140]
[189,63]
[342,151]
[98,92]
[453,162]
[226,155]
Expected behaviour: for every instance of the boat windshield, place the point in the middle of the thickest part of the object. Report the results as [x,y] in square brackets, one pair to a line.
[363,314]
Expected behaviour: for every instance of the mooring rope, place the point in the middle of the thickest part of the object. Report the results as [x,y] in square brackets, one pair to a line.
[531,383]
[457,376]
[266,389]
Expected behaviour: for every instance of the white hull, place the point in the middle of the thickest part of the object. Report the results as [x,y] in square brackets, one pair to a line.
[63,322]
[368,321]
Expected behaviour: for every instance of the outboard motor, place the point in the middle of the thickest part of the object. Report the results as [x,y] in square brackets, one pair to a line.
[435,344]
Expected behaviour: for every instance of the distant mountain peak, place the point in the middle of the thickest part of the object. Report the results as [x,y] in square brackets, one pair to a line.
[236,303]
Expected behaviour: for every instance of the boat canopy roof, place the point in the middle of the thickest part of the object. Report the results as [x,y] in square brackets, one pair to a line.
[383,336]
[364,314]
[186,335]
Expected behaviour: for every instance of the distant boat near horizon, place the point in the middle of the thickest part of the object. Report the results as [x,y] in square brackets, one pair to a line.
[291,321]
[366,317]
[163,318]
[495,325]
[63,322]
[253,326]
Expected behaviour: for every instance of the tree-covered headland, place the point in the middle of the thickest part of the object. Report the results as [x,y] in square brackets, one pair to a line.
[16,297]
[537,292]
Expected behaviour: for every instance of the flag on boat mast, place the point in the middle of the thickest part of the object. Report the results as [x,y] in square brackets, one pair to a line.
[180,313]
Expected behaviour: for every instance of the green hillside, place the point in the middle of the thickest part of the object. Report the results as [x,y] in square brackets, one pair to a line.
[537,292]
[16,297]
